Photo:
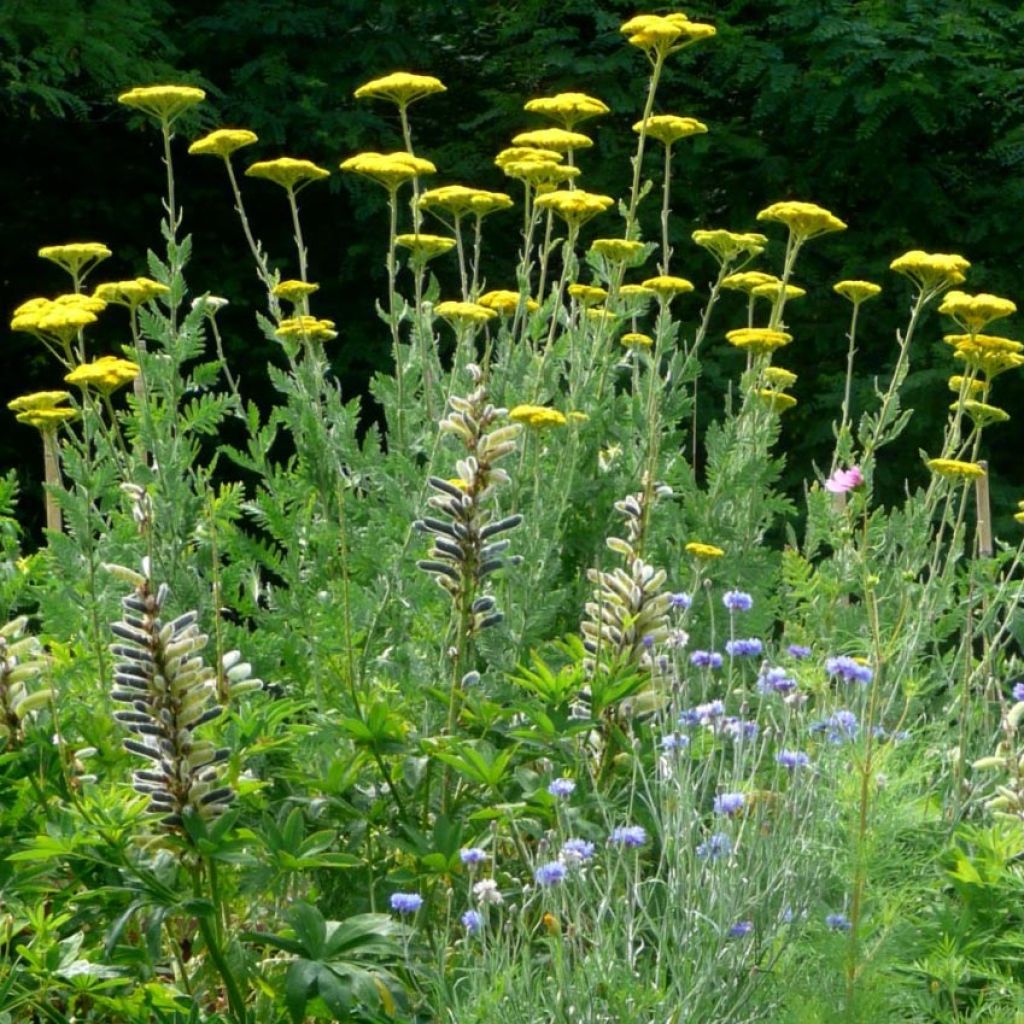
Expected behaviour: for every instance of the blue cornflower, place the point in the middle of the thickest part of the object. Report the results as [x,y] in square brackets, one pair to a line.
[744,648]
[472,921]
[740,929]
[792,759]
[737,601]
[648,641]
[561,787]
[729,803]
[550,874]
[798,651]
[838,922]
[706,659]
[702,714]
[674,741]
[842,725]
[681,601]
[406,902]
[739,727]
[576,851]
[628,835]
[472,855]
[775,680]
[1018,691]
[715,847]
[850,669]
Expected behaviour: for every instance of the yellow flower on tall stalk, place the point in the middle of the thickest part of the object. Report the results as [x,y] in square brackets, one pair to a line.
[981,414]
[667,287]
[931,271]
[464,314]
[106,374]
[164,102]
[557,139]
[727,246]
[388,169]
[223,142]
[774,289]
[747,280]
[458,200]
[634,339]
[700,550]
[587,294]
[804,220]
[759,340]
[77,258]
[602,316]
[670,128]
[778,377]
[424,248]
[306,328]
[131,294]
[575,207]
[541,174]
[635,292]
[58,322]
[991,360]
[618,250]
[568,108]
[537,416]
[974,312]
[288,172]
[505,302]
[295,292]
[856,291]
[954,469]
[660,35]
[518,154]
[777,402]
[971,388]
[400,88]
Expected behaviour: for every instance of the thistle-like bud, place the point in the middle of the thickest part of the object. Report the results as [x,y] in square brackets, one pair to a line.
[160,674]
[466,546]
[21,661]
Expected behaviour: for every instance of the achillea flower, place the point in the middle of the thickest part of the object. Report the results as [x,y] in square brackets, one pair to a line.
[661,35]
[558,139]
[774,289]
[759,340]
[464,314]
[981,414]
[974,312]
[77,258]
[778,377]
[60,319]
[541,174]
[458,200]
[988,360]
[406,902]
[729,804]
[633,836]
[843,480]
[804,220]
[400,88]
[388,169]
[635,340]
[132,294]
[777,402]
[747,280]
[164,102]
[520,154]
[954,469]
[550,874]
[617,250]
[670,128]
[223,142]
[424,248]
[46,419]
[667,287]
[972,388]
[574,207]
[931,271]
[505,302]
[636,292]
[295,291]
[849,669]
[568,108]
[749,648]
[306,328]
[105,374]
[538,416]
[587,294]
[286,171]
[856,291]
[699,550]
[38,400]
[727,246]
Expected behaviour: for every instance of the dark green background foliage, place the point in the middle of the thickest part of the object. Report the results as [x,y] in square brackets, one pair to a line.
[904,118]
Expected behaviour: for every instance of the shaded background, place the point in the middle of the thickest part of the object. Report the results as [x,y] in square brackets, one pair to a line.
[904,118]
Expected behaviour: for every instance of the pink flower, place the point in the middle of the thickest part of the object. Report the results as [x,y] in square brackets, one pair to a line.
[843,480]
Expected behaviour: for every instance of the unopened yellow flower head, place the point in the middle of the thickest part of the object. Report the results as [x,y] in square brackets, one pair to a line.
[747,280]
[131,293]
[400,88]
[568,108]
[164,102]
[660,35]
[537,416]
[388,169]
[458,200]
[105,374]
[670,128]
[286,171]
[774,289]
[856,291]
[425,247]
[617,250]
[777,377]
[517,154]
[634,339]
[700,550]
[777,401]
[306,328]
[464,314]
[587,294]
[980,413]
[974,312]
[558,139]
[542,174]
[575,207]
[505,302]
[727,246]
[667,287]
[931,271]
[804,220]
[38,400]
[77,258]
[295,291]
[758,340]
[223,142]
[46,419]
[971,388]
[954,469]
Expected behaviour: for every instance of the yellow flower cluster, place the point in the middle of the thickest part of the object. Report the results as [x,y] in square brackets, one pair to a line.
[306,328]
[587,294]
[635,291]
[600,316]
[667,287]
[986,353]
[659,35]
[1019,515]
[974,312]
[634,339]
[38,400]
[980,413]
[670,128]
[931,270]
[223,142]
[727,246]
[457,200]
[77,258]
[517,154]
[538,167]
[388,169]
[505,302]
[61,318]
[105,374]
[856,291]
[953,469]
[774,289]
[616,250]
[804,220]
[287,172]
[568,108]
[164,102]
[777,377]
[131,293]
[758,340]
[747,280]
[464,314]
[700,550]
[425,247]
[294,291]
[776,401]
[574,207]
[972,388]
[559,140]
[537,416]
[400,87]
[43,409]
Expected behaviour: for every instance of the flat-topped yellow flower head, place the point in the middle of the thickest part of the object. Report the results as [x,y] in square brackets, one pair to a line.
[981,413]
[132,294]
[505,302]
[701,550]
[164,102]
[295,291]
[288,172]
[106,374]
[758,340]
[617,250]
[600,316]
[970,388]
[424,248]
[464,314]
[667,287]
[670,128]
[987,358]
[575,207]
[518,154]
[537,416]
[747,280]
[986,342]
[777,377]
[587,294]
[77,258]
[974,312]
[727,246]
[558,139]
[776,401]
[458,200]
[634,339]
[773,290]
[954,469]
[659,35]
[856,291]
[635,293]
[38,400]
[46,419]
[400,88]
[804,220]
[306,328]
[61,318]
[931,271]
[388,169]
[568,108]
[223,142]
[542,174]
